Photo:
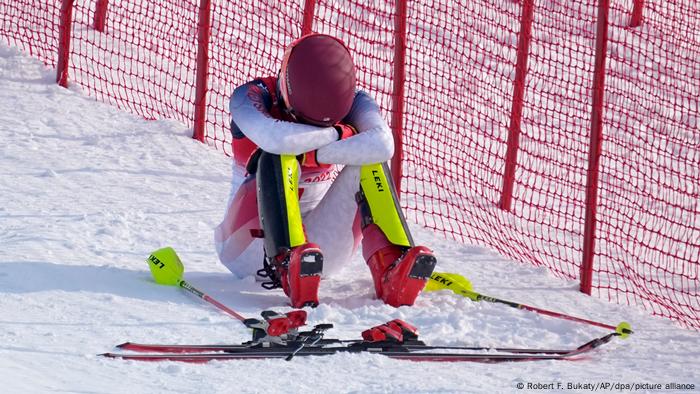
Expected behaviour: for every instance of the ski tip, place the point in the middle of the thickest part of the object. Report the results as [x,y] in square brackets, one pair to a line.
[123,345]
[108,355]
[624,330]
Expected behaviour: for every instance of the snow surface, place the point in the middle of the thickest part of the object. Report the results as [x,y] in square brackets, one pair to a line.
[87,192]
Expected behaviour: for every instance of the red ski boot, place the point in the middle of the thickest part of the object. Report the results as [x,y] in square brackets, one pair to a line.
[299,273]
[399,274]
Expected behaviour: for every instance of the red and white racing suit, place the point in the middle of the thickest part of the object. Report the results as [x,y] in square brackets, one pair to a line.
[327,200]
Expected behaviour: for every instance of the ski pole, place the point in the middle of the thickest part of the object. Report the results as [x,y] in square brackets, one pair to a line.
[167,269]
[460,285]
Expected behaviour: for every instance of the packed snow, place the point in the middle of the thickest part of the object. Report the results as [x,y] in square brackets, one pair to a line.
[87,192]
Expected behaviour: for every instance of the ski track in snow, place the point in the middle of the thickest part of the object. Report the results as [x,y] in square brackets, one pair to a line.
[87,192]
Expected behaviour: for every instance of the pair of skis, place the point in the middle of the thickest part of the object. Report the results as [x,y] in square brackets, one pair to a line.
[277,337]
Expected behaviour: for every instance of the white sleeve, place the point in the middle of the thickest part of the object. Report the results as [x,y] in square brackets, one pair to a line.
[276,136]
[374,142]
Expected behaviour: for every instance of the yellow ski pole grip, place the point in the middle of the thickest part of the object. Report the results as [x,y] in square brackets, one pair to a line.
[166,267]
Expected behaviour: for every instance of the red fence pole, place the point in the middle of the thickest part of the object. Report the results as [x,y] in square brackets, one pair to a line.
[397,105]
[100,15]
[594,149]
[636,18]
[309,10]
[64,43]
[517,104]
[200,100]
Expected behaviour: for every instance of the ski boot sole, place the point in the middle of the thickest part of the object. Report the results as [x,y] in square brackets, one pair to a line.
[423,267]
[305,278]
[403,284]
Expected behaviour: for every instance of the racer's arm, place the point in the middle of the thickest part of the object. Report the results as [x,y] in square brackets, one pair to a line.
[374,142]
[249,107]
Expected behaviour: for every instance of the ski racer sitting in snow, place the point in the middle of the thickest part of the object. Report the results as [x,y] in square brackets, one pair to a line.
[317,182]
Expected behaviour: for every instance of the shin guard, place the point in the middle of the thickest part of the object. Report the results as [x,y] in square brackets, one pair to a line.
[399,269]
[290,261]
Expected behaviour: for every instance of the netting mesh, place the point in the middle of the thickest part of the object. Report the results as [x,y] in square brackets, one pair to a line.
[648,242]
[458,87]
[35,32]
[368,32]
[460,70]
[247,42]
[462,61]
[458,113]
[143,61]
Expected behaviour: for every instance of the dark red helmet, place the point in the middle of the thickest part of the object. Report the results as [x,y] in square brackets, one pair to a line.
[317,79]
